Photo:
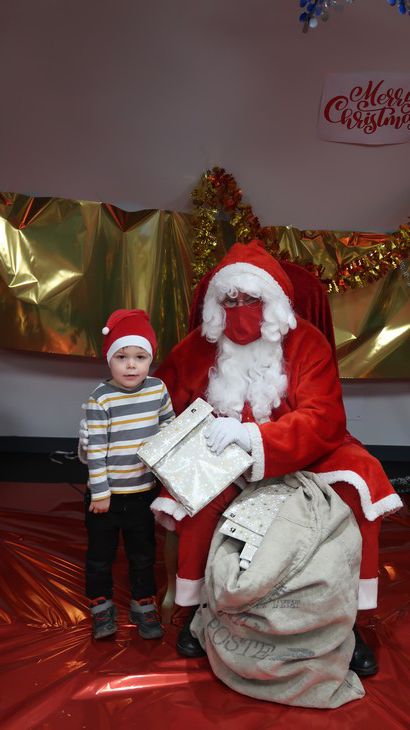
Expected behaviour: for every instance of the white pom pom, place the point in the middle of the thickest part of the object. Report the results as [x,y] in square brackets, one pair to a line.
[105,330]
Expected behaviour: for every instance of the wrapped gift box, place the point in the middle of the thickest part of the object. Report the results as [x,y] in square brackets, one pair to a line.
[180,458]
[250,515]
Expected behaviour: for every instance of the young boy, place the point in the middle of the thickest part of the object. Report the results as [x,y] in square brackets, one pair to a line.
[121,414]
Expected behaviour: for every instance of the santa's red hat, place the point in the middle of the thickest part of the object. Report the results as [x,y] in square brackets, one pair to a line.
[252,258]
[249,268]
[128,327]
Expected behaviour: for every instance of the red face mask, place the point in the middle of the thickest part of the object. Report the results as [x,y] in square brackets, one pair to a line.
[243,324]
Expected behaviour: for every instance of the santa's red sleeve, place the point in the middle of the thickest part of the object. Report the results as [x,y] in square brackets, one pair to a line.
[309,432]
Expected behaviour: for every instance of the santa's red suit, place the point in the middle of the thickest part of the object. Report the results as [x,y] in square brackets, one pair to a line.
[304,428]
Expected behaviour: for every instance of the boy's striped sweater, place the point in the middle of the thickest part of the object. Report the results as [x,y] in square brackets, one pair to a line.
[119,421]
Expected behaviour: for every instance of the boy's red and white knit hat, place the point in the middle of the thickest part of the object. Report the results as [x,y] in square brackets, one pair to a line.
[126,327]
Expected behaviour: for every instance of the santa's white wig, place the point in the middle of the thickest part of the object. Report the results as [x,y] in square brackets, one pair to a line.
[253,372]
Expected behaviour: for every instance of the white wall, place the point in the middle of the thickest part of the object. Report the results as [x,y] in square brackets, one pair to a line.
[42,397]
[42,394]
[129,102]
[378,412]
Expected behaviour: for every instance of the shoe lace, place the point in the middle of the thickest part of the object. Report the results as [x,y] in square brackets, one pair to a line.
[103,616]
[150,617]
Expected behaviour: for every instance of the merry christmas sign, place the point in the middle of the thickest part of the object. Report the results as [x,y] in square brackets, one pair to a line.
[366,108]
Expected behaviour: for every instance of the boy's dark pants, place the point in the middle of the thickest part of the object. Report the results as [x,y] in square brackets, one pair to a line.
[130,515]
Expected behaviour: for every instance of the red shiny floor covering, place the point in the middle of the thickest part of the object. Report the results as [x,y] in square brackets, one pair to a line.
[55,677]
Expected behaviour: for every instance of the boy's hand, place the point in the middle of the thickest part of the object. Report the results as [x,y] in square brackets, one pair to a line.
[100,505]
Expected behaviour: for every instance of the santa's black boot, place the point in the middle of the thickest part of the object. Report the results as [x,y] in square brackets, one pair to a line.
[363,661]
[187,645]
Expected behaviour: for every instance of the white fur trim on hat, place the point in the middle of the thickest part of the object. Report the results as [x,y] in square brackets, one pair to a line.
[225,275]
[129,341]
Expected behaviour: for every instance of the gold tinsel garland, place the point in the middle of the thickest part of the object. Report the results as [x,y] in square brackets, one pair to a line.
[373,265]
[218,194]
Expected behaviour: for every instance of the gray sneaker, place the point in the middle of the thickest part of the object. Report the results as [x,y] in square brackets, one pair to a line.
[104,616]
[144,614]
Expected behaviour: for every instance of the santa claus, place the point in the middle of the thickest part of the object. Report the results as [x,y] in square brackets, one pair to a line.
[274,387]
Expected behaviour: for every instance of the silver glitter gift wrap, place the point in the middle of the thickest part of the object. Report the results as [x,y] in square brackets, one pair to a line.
[179,456]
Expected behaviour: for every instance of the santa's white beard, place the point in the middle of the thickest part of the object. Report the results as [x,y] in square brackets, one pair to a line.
[253,373]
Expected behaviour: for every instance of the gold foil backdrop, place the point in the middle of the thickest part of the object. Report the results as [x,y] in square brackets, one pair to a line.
[65,265]
[343,261]
[371,318]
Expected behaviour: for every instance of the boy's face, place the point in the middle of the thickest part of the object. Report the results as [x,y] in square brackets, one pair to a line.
[129,366]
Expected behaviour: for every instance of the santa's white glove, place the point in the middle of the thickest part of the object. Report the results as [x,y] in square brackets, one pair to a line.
[167,511]
[83,434]
[225,431]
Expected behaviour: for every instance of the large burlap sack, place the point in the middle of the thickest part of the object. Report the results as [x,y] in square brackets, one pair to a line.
[281,630]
